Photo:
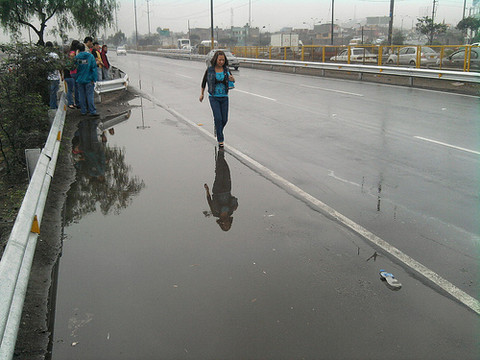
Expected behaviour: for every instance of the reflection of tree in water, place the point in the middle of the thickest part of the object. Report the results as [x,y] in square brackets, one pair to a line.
[102,178]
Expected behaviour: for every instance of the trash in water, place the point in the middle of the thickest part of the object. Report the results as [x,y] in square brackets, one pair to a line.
[390,280]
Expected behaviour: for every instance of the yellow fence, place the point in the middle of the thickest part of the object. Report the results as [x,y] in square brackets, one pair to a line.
[454,57]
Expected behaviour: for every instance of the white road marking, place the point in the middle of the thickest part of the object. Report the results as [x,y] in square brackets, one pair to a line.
[185,76]
[422,270]
[333,90]
[448,145]
[331,173]
[260,96]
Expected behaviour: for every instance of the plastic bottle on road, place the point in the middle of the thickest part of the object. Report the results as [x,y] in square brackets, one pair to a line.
[392,283]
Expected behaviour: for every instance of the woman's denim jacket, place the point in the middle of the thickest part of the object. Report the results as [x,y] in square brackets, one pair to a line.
[210,79]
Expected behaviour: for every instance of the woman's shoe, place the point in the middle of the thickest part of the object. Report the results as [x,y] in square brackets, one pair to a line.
[220,145]
[71,106]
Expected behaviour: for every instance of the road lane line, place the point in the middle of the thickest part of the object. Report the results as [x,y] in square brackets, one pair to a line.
[448,145]
[185,76]
[333,90]
[294,190]
[260,96]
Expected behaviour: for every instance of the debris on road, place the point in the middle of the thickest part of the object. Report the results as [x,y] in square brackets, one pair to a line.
[390,280]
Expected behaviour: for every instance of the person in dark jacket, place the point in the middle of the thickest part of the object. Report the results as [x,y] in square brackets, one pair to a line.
[218,76]
[86,79]
[105,63]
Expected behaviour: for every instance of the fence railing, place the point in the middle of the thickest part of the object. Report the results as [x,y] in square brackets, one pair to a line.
[119,82]
[17,259]
[453,57]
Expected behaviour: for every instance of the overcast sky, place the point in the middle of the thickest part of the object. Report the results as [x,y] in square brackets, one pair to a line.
[274,14]
[271,14]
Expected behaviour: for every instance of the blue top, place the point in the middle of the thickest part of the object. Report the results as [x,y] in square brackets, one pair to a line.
[86,68]
[220,88]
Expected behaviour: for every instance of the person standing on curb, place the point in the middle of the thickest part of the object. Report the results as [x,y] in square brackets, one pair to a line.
[69,66]
[73,73]
[88,41]
[86,79]
[53,77]
[218,76]
[96,53]
[105,62]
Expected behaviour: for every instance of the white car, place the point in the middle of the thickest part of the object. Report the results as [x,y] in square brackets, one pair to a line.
[232,60]
[356,55]
[408,56]
[121,51]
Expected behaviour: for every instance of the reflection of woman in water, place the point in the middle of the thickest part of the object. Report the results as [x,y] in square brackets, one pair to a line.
[221,202]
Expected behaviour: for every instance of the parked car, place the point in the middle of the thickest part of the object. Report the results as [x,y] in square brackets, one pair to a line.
[457,59]
[408,56]
[232,60]
[121,51]
[356,55]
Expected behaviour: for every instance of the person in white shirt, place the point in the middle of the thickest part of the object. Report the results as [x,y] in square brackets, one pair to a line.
[53,78]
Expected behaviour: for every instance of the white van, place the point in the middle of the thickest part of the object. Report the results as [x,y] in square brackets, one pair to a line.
[208,43]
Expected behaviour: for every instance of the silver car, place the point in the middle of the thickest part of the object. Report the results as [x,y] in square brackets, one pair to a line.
[356,55]
[232,60]
[408,56]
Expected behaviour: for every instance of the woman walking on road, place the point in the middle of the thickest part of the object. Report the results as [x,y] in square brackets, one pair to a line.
[218,76]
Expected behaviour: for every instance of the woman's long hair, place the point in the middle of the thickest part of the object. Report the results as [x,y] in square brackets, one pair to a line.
[215,58]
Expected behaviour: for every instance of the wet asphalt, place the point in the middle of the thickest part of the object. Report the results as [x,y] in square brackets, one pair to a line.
[150,270]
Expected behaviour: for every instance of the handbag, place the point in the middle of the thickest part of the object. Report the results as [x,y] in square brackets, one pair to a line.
[231,84]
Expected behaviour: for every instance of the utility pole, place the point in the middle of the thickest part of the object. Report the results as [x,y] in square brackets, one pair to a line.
[116,20]
[249,13]
[434,9]
[211,23]
[464,7]
[331,38]
[136,25]
[390,23]
[148,16]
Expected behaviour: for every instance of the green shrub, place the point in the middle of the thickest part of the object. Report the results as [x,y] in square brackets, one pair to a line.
[24,95]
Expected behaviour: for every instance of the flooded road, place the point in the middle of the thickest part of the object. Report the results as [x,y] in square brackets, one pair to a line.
[155,268]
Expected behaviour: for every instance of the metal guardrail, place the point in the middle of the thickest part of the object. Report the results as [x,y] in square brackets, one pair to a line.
[371,69]
[120,82]
[16,262]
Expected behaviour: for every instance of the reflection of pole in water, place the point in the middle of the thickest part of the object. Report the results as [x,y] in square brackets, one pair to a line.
[142,127]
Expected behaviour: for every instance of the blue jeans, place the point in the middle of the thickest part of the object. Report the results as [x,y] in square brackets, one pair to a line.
[85,92]
[77,97]
[70,90]
[54,84]
[219,105]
